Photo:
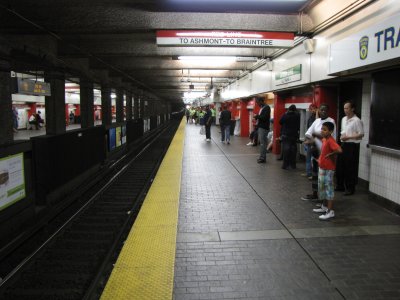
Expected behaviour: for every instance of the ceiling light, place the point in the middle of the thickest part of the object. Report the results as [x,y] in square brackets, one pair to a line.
[246,59]
[205,58]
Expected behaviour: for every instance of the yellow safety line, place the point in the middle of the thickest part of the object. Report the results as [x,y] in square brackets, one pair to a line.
[145,266]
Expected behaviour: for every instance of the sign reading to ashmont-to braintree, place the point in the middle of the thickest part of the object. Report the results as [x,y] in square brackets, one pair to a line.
[217,38]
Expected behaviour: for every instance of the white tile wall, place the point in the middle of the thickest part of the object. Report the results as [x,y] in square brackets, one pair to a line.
[385,175]
[382,170]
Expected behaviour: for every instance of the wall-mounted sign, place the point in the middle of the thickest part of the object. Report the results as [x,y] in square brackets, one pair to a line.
[288,75]
[118,139]
[12,180]
[217,38]
[35,88]
[378,43]
[112,142]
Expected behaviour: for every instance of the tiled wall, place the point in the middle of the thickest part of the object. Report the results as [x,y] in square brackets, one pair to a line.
[385,176]
[365,153]
[382,170]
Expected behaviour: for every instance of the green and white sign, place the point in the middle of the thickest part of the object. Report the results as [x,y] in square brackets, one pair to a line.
[288,75]
[12,180]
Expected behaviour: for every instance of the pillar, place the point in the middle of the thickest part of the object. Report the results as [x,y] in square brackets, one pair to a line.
[87,103]
[128,108]
[6,117]
[55,104]
[105,105]
[279,110]
[119,105]
[136,107]
[142,109]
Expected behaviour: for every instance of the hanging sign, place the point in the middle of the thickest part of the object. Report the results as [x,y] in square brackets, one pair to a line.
[378,43]
[217,38]
[35,88]
[288,75]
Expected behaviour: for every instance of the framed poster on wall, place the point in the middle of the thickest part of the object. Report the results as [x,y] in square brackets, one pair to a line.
[111,139]
[12,180]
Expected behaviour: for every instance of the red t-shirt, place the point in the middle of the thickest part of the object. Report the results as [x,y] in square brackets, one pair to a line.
[328,146]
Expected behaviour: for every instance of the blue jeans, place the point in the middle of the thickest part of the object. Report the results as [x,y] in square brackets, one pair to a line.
[226,133]
[307,149]
[263,139]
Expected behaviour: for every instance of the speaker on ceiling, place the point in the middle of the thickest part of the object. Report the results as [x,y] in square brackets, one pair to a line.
[309,46]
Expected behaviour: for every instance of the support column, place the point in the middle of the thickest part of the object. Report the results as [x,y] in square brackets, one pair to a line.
[6,117]
[136,106]
[128,108]
[142,109]
[105,105]
[87,103]
[55,104]
[119,105]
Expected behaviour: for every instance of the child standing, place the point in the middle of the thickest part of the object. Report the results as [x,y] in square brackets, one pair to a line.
[327,166]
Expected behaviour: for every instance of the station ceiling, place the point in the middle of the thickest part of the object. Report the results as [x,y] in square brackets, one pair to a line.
[116,39]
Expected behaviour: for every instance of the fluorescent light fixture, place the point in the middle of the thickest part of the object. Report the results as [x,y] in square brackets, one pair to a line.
[208,58]
[216,34]
[246,59]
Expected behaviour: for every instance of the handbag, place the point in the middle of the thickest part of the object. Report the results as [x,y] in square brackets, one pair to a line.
[202,130]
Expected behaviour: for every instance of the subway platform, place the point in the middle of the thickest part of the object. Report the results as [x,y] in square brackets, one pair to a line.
[244,233]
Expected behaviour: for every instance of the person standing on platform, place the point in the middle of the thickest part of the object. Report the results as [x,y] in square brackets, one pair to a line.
[263,128]
[327,165]
[213,114]
[352,131]
[307,148]
[187,114]
[313,138]
[290,122]
[207,122]
[225,121]
[71,117]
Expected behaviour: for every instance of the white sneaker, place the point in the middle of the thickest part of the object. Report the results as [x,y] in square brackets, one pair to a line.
[249,144]
[208,140]
[330,214]
[223,142]
[322,209]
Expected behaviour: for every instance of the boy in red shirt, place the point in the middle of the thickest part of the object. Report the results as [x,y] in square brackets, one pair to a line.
[327,166]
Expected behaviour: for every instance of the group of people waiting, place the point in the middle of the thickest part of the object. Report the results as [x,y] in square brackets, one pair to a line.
[204,116]
[36,121]
[195,115]
[330,158]
[325,158]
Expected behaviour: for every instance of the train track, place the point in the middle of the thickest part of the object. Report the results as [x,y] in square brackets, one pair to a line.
[76,260]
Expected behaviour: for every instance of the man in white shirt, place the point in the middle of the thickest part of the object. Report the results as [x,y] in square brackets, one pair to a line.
[352,131]
[314,138]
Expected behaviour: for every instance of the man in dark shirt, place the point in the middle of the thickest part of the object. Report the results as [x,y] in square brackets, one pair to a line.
[263,128]
[225,120]
[207,123]
[290,122]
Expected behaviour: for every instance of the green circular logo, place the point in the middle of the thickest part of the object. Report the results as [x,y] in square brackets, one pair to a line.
[363,52]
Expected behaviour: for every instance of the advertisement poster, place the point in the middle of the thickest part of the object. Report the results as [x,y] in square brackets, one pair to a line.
[123,134]
[118,136]
[12,180]
[111,139]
